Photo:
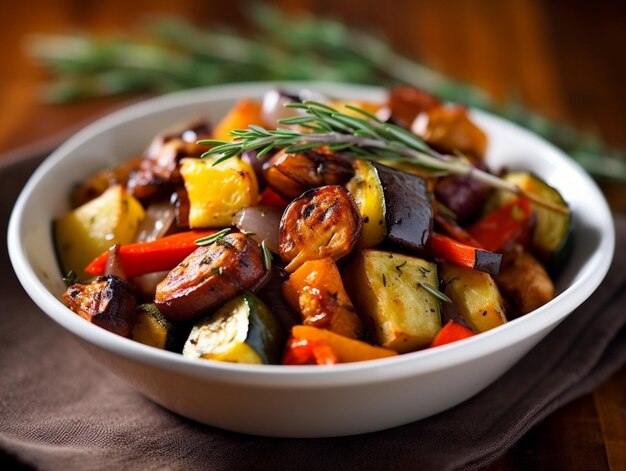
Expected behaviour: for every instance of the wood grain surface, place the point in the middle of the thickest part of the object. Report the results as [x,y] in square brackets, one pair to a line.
[565,59]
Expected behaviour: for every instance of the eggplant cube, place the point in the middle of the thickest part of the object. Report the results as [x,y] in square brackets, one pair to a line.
[388,291]
[408,209]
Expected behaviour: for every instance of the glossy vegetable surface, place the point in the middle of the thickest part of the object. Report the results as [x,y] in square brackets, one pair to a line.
[349,252]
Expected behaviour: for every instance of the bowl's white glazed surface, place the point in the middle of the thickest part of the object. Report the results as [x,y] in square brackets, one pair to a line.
[301,401]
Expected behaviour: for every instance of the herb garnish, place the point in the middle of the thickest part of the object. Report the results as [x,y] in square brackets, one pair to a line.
[208,240]
[358,137]
[267,256]
[71,278]
[399,267]
[434,291]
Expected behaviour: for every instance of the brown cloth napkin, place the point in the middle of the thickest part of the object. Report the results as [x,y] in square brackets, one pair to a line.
[60,410]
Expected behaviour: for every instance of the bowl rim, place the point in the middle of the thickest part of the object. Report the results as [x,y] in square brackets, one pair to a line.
[408,364]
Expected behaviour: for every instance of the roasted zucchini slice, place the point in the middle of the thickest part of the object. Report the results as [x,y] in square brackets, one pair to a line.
[394,295]
[243,330]
[552,229]
[153,329]
[367,191]
[474,295]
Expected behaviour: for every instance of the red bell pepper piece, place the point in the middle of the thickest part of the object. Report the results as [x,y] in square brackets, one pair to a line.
[308,352]
[451,332]
[270,198]
[496,229]
[147,257]
[445,248]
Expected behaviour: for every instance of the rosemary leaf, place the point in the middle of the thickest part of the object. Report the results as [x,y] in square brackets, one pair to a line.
[434,291]
[208,240]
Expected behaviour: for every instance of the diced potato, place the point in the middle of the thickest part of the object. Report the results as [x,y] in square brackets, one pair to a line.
[89,230]
[475,295]
[217,192]
[367,191]
[387,289]
[243,114]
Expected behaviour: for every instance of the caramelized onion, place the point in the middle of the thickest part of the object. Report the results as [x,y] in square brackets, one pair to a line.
[158,220]
[261,223]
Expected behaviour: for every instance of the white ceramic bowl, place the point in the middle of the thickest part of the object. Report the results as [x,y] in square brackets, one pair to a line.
[300,401]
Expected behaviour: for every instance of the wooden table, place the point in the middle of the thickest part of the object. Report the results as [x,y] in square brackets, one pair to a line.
[567,62]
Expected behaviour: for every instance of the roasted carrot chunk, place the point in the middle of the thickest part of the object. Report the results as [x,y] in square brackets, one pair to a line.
[316,291]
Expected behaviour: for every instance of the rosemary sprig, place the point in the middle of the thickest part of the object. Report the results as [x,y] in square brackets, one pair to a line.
[365,137]
[208,240]
[267,256]
[174,54]
[434,291]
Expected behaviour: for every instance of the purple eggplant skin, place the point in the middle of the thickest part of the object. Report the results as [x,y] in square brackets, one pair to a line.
[463,195]
[408,208]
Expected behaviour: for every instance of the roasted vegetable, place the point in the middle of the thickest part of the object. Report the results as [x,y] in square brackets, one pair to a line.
[153,329]
[316,291]
[552,229]
[367,191]
[158,174]
[308,352]
[211,275]
[445,248]
[89,230]
[394,295]
[323,222]
[503,226]
[524,281]
[102,180]
[107,302]
[451,332]
[343,349]
[272,294]
[406,103]
[463,195]
[474,296]
[217,192]
[291,174]
[242,115]
[408,210]
[147,257]
[243,330]
[449,130]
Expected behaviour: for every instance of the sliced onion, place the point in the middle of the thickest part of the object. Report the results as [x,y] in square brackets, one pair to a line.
[159,218]
[261,222]
[250,156]
[147,283]
[273,108]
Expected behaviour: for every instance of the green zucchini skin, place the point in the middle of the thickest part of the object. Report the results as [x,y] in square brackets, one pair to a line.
[245,319]
[408,209]
[154,329]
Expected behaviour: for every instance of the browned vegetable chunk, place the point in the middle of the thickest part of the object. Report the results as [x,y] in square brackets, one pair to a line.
[158,173]
[323,222]
[523,281]
[210,276]
[316,291]
[449,130]
[107,302]
[405,103]
[408,210]
[293,174]
[100,181]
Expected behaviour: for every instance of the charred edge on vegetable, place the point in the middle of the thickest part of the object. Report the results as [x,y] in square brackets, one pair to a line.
[488,262]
